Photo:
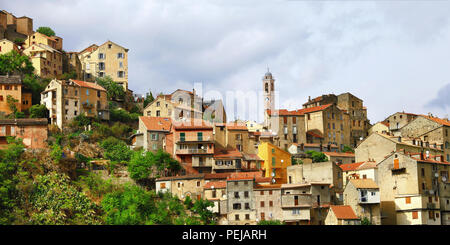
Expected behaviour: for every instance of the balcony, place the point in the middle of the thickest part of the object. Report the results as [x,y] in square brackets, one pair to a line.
[205,150]
[369,197]
[194,139]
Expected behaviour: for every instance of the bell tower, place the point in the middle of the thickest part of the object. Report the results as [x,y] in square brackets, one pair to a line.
[269,91]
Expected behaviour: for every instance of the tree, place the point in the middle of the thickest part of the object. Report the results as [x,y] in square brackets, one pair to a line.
[15,113]
[38,111]
[140,165]
[113,89]
[131,206]
[270,222]
[148,99]
[46,31]
[13,62]
[201,207]
[163,160]
[36,85]
[347,148]
[116,150]
[317,156]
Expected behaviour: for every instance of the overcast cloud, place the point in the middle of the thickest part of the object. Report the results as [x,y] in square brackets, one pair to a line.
[395,55]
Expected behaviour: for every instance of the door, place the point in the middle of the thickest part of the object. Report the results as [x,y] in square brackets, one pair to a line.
[296,200]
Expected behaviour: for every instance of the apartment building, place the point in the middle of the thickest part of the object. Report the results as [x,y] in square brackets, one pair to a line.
[66,99]
[53,42]
[398,120]
[359,170]
[194,145]
[47,61]
[431,131]
[216,192]
[305,203]
[32,131]
[340,157]
[107,59]
[13,86]
[363,195]
[240,201]
[414,189]
[267,200]
[289,126]
[377,146]
[275,163]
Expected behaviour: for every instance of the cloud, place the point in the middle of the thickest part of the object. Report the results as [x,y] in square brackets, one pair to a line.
[392,55]
[442,100]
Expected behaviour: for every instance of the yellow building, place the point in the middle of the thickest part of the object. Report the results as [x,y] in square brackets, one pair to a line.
[47,61]
[7,46]
[108,59]
[39,38]
[275,163]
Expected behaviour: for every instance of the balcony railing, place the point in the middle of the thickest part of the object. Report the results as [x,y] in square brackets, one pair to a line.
[194,139]
[194,151]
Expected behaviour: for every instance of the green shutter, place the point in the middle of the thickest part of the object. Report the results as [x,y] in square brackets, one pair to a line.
[273,161]
[182,136]
[200,136]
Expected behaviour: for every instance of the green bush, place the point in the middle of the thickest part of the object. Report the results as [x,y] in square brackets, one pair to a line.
[317,156]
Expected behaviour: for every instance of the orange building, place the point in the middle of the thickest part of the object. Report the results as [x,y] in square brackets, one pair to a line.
[13,86]
[33,131]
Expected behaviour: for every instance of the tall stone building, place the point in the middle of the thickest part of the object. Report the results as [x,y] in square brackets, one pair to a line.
[398,120]
[108,59]
[269,94]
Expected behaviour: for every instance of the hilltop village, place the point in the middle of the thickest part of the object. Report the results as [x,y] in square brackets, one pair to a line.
[70,124]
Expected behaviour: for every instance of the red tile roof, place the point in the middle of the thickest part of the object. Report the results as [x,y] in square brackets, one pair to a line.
[236,126]
[217,176]
[339,154]
[88,85]
[343,212]
[215,184]
[228,153]
[193,125]
[247,175]
[350,166]
[156,123]
[314,109]
[271,186]
[315,133]
[299,112]
[263,179]
[439,120]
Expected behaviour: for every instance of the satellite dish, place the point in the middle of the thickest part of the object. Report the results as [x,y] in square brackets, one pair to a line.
[273,174]
[436,175]
[212,187]
[444,179]
[273,181]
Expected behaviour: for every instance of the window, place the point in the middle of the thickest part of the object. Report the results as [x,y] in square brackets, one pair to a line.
[261,193]
[423,172]
[236,194]
[294,120]
[120,74]
[101,55]
[295,211]
[162,186]
[430,214]
[101,66]
[198,183]
[273,161]
[200,136]
[120,64]
[262,204]
[270,203]
[236,206]
[236,217]
[247,216]
[75,113]
[154,146]
[285,120]
[246,194]
[247,205]
[235,183]
[408,200]
[270,192]
[120,56]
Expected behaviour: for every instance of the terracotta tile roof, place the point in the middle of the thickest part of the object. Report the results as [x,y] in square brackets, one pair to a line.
[364,183]
[263,179]
[193,125]
[385,123]
[239,178]
[271,186]
[217,176]
[226,153]
[339,154]
[156,123]
[315,133]
[263,134]
[181,177]
[251,157]
[367,165]
[299,112]
[439,120]
[88,85]
[343,212]
[350,166]
[236,126]
[250,175]
[215,184]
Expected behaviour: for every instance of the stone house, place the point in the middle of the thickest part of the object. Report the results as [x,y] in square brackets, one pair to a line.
[430,131]
[154,131]
[66,99]
[267,200]
[363,195]
[305,203]
[289,126]
[47,61]
[108,59]
[379,127]
[414,189]
[32,131]
[182,186]
[342,215]
[377,146]
[240,201]
[216,192]
[340,157]
[7,46]
[398,120]
[12,27]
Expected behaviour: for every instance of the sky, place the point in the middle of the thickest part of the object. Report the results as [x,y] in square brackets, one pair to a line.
[392,54]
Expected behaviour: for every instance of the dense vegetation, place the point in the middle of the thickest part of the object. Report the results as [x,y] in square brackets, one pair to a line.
[46,31]
[317,156]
